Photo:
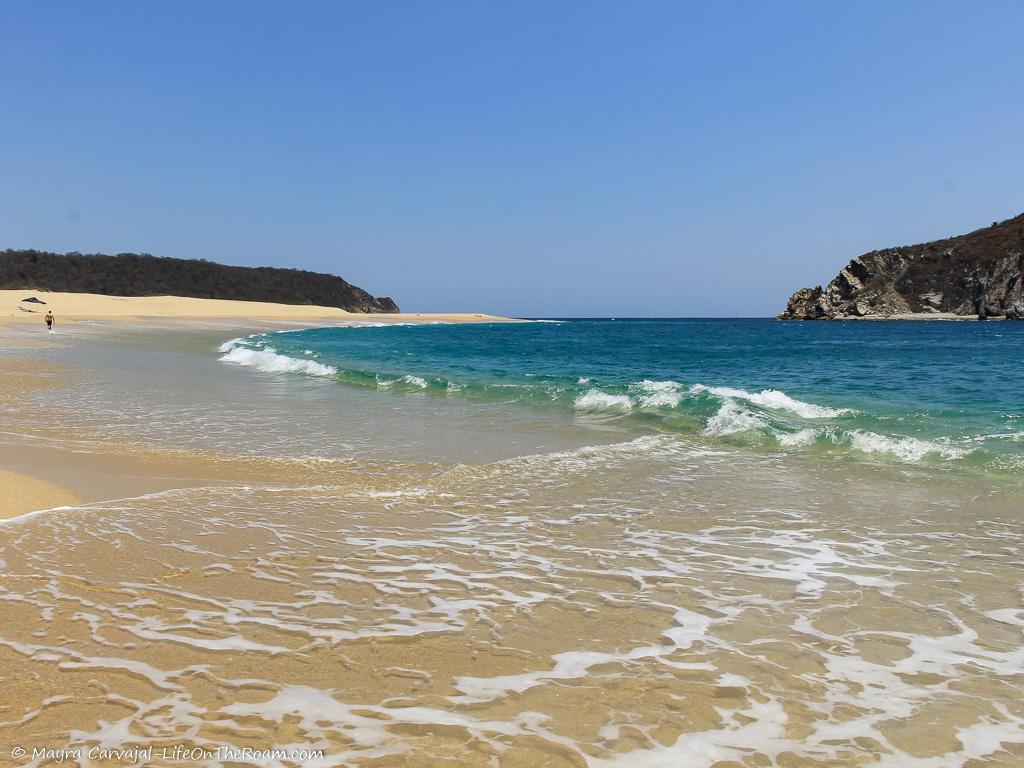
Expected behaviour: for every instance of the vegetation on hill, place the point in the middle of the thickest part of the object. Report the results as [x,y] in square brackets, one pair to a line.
[135,274]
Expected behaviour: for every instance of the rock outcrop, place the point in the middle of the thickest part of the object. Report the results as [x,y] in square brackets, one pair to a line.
[978,274]
[135,274]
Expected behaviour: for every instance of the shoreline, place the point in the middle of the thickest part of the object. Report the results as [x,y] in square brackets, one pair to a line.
[39,478]
[288,574]
[79,308]
[26,494]
[919,317]
[904,317]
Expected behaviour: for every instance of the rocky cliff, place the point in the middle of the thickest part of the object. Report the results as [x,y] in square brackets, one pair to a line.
[979,273]
[134,274]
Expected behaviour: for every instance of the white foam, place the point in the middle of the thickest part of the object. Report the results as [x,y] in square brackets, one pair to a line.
[658,394]
[761,587]
[269,361]
[227,346]
[415,381]
[730,419]
[596,400]
[797,439]
[906,448]
[690,627]
[1012,616]
[774,399]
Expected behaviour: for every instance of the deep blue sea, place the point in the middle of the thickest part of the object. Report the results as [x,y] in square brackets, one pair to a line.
[946,393]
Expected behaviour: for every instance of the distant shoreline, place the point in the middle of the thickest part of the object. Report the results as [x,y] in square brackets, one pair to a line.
[77,307]
[912,316]
[142,274]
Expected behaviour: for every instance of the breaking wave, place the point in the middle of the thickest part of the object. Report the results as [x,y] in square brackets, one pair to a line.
[906,448]
[776,401]
[770,418]
[268,361]
[596,400]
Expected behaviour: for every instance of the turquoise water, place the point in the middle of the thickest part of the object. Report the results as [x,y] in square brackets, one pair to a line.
[943,393]
[601,543]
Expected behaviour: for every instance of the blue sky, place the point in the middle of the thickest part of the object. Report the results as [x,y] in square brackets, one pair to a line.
[533,158]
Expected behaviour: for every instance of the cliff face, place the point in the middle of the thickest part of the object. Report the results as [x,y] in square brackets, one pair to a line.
[979,273]
[132,274]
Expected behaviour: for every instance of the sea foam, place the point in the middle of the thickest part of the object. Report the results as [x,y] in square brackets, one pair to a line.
[596,400]
[658,394]
[268,361]
[796,439]
[730,419]
[767,414]
[906,448]
[775,400]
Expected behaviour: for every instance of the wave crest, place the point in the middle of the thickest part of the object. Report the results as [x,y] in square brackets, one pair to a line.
[268,361]
[906,448]
[768,417]
[776,400]
[596,400]
[731,419]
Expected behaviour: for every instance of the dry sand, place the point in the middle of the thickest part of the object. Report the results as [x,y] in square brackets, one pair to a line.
[90,306]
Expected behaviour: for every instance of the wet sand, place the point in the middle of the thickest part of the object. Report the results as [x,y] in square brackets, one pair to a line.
[24,493]
[623,604]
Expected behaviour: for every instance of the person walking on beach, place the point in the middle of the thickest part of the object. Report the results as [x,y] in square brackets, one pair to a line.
[49,320]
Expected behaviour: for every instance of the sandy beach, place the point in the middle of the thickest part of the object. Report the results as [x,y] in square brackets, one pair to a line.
[24,494]
[655,518]
[127,471]
[78,307]
[258,557]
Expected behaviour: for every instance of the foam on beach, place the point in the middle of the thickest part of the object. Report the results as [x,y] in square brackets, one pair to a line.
[530,603]
[375,543]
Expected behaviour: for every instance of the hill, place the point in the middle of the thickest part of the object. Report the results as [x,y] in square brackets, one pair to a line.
[979,273]
[135,274]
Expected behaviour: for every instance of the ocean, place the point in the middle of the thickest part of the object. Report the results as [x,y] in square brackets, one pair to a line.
[613,543]
[941,394]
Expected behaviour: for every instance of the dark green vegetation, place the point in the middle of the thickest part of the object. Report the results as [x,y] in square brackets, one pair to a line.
[980,273]
[135,274]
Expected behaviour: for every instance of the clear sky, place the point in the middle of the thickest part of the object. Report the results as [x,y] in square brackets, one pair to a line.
[532,158]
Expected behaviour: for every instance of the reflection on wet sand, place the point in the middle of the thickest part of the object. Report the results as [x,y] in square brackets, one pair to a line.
[658,601]
[522,611]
